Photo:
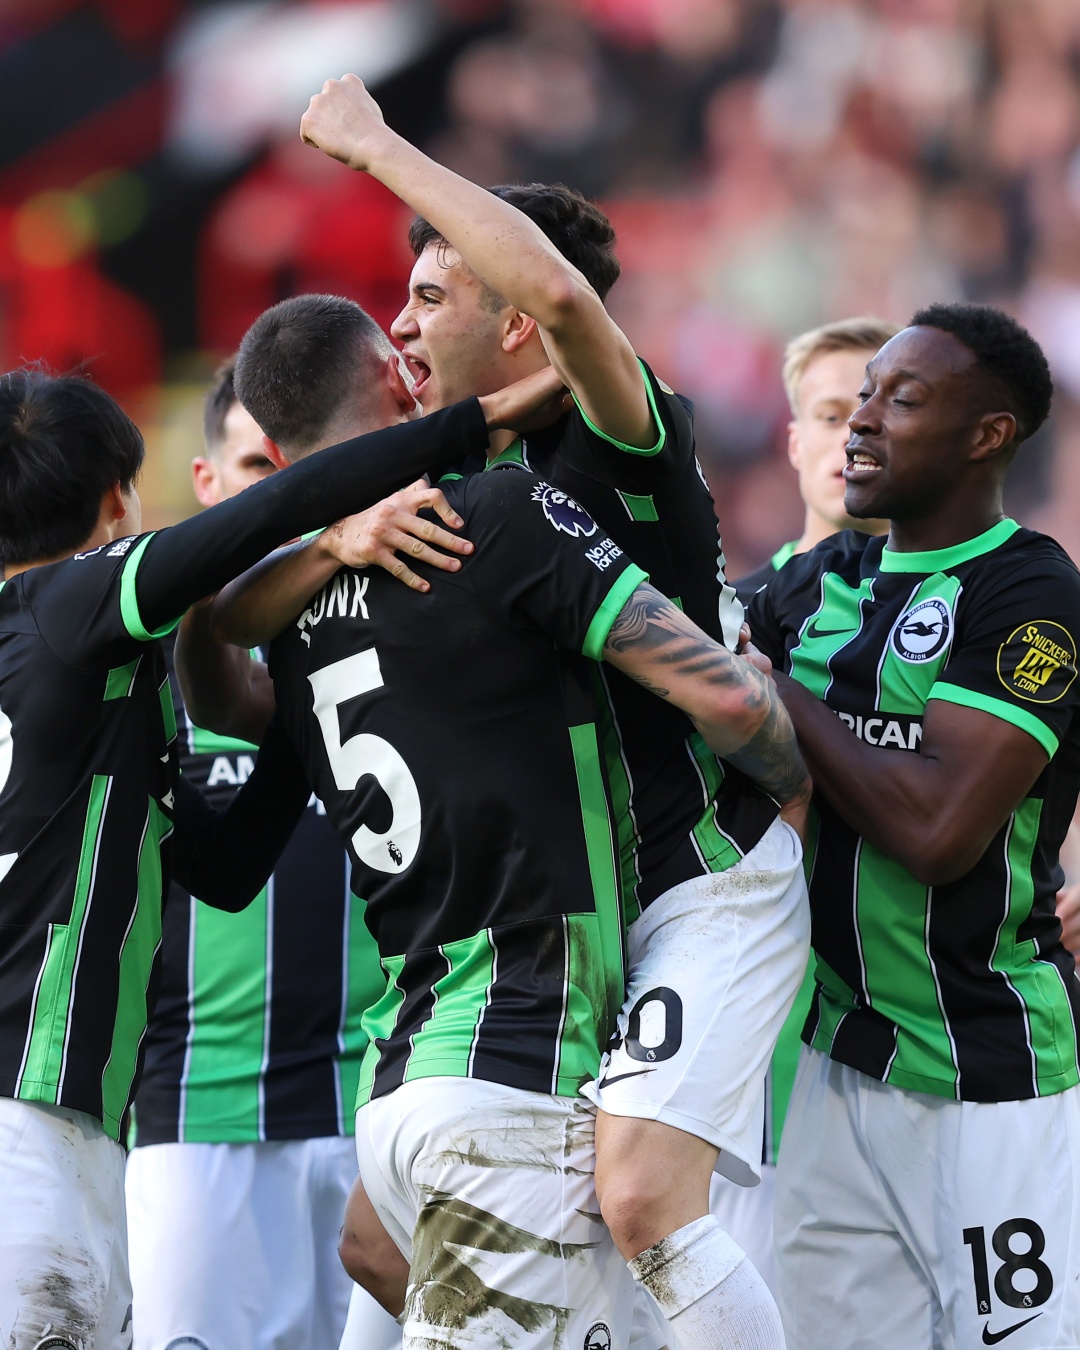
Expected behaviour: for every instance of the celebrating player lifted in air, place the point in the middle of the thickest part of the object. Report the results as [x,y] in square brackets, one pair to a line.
[929,1183]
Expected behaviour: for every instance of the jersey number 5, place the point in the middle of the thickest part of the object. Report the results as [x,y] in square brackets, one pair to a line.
[364,754]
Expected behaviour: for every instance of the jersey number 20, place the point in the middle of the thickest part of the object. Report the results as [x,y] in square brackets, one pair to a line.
[352,759]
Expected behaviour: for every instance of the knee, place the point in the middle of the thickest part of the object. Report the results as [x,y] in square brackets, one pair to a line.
[355,1257]
[635,1205]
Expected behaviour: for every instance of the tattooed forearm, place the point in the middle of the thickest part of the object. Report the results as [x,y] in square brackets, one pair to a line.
[736,709]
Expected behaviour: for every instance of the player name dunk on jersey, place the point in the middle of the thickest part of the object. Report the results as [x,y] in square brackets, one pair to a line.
[962,989]
[452,736]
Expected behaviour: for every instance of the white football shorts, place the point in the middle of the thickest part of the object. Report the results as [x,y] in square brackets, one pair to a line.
[715,964]
[63,1242]
[488,1191]
[905,1219]
[235,1245]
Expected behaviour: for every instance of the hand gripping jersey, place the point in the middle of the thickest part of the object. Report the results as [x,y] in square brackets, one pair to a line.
[681,812]
[453,739]
[256,1034]
[963,989]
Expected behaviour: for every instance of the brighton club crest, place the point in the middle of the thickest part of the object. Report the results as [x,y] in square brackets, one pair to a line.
[562,512]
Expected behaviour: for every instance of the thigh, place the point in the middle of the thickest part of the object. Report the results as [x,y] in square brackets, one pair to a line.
[1001,1233]
[507,1244]
[846,1278]
[62,1242]
[198,1269]
[715,966]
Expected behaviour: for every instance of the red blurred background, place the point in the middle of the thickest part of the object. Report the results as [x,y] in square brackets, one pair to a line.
[768,164]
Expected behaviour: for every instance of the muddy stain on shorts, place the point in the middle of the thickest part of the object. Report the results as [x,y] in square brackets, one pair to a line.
[446,1292]
[59,1306]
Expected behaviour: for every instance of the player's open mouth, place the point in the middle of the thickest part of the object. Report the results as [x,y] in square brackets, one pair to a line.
[860,465]
[421,373]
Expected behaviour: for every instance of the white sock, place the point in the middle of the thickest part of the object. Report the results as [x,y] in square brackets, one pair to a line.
[709,1291]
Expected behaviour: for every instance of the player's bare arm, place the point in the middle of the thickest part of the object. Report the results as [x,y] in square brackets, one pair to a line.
[225,689]
[735,707]
[507,251]
[936,810]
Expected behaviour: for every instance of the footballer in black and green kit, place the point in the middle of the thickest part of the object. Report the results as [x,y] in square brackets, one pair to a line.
[90,796]
[930,1169]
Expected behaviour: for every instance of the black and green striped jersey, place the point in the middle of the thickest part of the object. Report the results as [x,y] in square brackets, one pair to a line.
[748,586]
[86,771]
[452,736]
[962,989]
[256,1034]
[681,812]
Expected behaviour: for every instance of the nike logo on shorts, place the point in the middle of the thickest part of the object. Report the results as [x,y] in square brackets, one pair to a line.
[992,1337]
[635,1073]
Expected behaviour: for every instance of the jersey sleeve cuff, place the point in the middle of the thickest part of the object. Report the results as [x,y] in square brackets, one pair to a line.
[129,605]
[621,445]
[626,583]
[996,707]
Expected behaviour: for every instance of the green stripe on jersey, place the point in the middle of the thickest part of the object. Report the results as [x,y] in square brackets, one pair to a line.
[365,983]
[836,621]
[892,913]
[1050,1027]
[944,559]
[996,707]
[378,1022]
[136,960]
[904,686]
[658,422]
[601,847]
[223,1070]
[444,1044]
[715,848]
[610,608]
[129,604]
[639,508]
[42,1068]
[121,680]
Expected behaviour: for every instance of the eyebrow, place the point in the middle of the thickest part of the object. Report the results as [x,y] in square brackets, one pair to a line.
[905,374]
[420,286]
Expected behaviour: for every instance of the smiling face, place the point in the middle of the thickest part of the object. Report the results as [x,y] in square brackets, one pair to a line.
[450,332]
[918,423]
[818,434]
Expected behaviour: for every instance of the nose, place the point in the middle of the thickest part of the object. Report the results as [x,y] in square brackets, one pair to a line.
[404,326]
[865,418]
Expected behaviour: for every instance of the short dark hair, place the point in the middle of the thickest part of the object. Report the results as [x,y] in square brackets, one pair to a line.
[1005,352]
[63,443]
[297,365]
[220,398]
[576,226]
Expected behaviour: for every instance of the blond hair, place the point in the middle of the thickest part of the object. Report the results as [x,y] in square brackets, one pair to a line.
[846,335]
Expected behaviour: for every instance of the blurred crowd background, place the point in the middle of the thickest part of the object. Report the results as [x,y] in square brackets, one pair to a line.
[768,164]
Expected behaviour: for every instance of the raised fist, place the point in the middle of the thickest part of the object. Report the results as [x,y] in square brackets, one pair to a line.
[343,121]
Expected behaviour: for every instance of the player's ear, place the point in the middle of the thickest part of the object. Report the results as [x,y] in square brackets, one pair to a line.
[399,385]
[275,454]
[204,476]
[113,503]
[518,331]
[994,433]
[794,446]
